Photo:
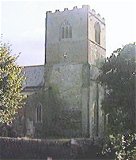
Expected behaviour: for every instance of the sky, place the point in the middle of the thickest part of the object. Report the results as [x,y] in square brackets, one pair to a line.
[22,24]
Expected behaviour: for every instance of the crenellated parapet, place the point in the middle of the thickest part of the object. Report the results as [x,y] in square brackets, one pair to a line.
[66,9]
[75,8]
[97,15]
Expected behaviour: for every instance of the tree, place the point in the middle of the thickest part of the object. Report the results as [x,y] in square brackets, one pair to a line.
[118,77]
[11,79]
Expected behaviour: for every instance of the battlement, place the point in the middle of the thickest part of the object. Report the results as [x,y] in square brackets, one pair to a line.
[86,7]
[97,15]
[57,10]
[66,9]
[75,8]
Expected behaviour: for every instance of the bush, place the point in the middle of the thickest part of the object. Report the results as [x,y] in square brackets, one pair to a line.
[122,146]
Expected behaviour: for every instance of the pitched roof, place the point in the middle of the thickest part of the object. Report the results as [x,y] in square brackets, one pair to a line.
[34,76]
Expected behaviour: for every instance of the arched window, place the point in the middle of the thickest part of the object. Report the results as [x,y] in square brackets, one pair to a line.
[70,32]
[65,30]
[97,32]
[67,34]
[39,113]
[62,32]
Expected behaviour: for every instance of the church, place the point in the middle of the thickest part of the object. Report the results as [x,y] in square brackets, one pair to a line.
[63,96]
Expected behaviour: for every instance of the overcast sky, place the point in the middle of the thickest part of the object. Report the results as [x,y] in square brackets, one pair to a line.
[23,24]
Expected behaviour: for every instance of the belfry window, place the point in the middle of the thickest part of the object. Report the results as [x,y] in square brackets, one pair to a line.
[97,32]
[39,113]
[62,32]
[65,30]
[67,34]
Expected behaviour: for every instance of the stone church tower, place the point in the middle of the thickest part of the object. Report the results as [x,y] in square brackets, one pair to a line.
[74,48]
[64,99]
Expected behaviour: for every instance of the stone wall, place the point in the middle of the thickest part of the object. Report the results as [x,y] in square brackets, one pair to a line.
[74,48]
[66,86]
[23,148]
[71,81]
[68,63]
[96,118]
[68,79]
[96,52]
[93,17]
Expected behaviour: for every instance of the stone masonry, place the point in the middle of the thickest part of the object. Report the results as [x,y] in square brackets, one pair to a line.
[74,49]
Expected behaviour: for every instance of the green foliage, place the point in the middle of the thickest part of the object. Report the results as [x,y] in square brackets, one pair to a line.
[11,98]
[118,77]
[124,146]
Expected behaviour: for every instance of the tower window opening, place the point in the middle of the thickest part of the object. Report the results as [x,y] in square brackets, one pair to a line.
[97,32]
[62,32]
[39,113]
[70,32]
[66,30]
